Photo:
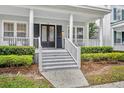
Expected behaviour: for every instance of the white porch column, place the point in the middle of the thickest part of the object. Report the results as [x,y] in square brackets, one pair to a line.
[87,34]
[101,32]
[71,28]
[31,27]
[112,37]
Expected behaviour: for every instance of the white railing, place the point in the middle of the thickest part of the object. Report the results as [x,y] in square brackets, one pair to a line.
[18,41]
[87,42]
[73,50]
[14,41]
[118,46]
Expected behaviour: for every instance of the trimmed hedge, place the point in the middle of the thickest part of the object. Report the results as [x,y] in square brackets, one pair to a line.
[103,49]
[15,60]
[103,57]
[16,50]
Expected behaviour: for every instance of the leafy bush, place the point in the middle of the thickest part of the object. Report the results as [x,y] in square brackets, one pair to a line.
[104,49]
[19,50]
[103,57]
[15,60]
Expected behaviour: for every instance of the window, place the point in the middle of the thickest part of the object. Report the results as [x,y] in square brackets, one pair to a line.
[21,30]
[122,14]
[13,29]
[119,14]
[77,32]
[8,29]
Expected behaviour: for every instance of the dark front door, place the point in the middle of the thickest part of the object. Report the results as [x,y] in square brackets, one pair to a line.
[47,35]
[59,36]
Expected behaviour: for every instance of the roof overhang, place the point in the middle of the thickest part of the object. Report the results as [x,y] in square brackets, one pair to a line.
[117,24]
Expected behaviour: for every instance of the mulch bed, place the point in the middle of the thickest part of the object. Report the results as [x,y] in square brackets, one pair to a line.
[22,69]
[89,67]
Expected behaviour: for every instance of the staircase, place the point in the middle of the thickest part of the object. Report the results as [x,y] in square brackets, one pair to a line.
[57,59]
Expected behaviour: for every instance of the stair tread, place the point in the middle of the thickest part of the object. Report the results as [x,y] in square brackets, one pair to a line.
[64,66]
[58,59]
[58,63]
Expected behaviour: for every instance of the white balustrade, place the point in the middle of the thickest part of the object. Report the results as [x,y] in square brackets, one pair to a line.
[73,50]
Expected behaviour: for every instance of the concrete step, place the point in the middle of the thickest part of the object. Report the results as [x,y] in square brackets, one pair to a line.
[56,57]
[54,50]
[60,67]
[56,53]
[58,63]
[57,60]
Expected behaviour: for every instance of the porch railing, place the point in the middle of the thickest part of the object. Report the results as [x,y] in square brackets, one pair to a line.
[87,42]
[73,50]
[14,41]
[18,41]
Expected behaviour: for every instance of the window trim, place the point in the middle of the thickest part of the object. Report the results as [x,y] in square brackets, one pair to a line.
[15,27]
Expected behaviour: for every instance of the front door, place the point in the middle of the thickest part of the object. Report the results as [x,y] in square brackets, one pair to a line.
[47,36]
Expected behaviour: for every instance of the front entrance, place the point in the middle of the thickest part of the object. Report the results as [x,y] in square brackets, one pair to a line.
[48,36]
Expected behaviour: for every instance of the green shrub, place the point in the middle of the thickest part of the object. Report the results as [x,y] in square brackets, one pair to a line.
[19,50]
[103,57]
[104,49]
[15,60]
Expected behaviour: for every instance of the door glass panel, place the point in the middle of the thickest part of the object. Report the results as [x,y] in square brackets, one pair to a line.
[44,33]
[51,33]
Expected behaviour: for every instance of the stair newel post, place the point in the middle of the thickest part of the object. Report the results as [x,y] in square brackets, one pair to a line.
[79,57]
[40,55]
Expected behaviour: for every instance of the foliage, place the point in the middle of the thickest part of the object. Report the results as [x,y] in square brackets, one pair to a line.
[15,60]
[21,82]
[92,29]
[16,50]
[103,57]
[97,49]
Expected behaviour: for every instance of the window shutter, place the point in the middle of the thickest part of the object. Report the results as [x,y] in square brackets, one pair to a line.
[114,36]
[123,37]
[122,14]
[114,13]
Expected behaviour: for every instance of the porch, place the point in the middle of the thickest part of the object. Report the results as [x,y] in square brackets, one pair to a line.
[118,36]
[53,24]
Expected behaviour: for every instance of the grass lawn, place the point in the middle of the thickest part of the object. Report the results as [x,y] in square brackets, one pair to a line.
[22,77]
[7,81]
[105,74]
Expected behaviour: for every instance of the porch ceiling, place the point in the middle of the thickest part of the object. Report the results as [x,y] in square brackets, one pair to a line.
[65,16]
[59,12]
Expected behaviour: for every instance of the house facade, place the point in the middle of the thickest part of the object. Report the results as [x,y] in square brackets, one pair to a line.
[117,25]
[54,27]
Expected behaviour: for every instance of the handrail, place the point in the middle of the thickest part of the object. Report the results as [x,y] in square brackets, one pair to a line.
[73,50]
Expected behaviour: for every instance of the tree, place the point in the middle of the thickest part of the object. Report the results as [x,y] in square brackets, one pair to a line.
[92,30]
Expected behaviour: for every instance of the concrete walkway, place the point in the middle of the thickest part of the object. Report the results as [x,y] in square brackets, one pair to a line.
[66,78]
[110,85]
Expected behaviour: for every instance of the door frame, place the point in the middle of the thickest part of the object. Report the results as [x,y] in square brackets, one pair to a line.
[47,32]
